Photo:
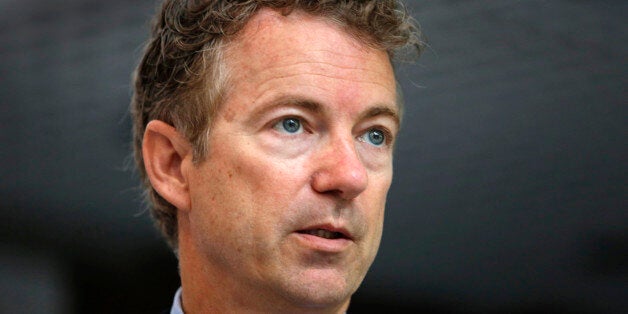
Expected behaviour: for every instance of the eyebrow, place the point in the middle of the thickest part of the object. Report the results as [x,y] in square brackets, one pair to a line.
[289,101]
[303,103]
[382,110]
[316,108]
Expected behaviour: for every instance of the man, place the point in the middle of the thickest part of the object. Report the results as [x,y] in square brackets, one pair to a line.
[264,132]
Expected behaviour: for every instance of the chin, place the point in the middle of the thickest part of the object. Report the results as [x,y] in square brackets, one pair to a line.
[320,290]
[319,299]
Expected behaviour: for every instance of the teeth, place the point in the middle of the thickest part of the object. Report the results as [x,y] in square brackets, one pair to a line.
[324,233]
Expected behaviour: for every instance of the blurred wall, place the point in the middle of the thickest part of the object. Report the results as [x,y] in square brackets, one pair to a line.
[511,178]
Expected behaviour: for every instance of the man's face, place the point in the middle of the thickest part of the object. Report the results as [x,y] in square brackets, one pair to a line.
[290,201]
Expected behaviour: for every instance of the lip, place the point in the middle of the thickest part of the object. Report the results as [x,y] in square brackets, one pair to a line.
[323,244]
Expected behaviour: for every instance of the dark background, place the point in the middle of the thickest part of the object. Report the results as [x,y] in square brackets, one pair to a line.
[511,172]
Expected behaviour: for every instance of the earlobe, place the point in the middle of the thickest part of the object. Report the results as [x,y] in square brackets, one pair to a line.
[165,151]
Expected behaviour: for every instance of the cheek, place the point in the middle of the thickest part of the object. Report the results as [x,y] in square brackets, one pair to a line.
[379,184]
[267,173]
[214,202]
[217,192]
[249,191]
[274,192]
[375,201]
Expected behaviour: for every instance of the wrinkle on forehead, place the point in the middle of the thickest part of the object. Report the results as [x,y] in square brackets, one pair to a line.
[273,47]
[263,28]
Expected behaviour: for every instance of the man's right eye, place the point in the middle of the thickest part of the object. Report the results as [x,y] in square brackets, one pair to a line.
[289,125]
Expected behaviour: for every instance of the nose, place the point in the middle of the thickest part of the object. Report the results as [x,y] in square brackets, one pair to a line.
[340,171]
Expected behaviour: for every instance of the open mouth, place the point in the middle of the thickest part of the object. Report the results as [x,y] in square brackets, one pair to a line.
[322,233]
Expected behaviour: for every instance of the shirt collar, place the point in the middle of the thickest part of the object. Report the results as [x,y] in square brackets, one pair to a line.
[176,303]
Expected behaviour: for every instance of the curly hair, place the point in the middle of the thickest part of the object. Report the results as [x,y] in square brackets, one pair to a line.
[181,78]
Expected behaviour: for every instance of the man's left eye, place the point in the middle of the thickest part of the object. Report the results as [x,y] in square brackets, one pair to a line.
[376,137]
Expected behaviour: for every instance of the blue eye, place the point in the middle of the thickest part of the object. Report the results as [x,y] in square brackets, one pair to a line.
[375,137]
[290,125]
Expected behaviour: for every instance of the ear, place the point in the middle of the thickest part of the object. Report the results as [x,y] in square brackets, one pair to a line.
[165,151]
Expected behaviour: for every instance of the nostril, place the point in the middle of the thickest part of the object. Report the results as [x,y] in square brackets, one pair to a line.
[341,181]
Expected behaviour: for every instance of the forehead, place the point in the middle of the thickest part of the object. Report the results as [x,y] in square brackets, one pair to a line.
[272,27]
[299,55]
[270,38]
